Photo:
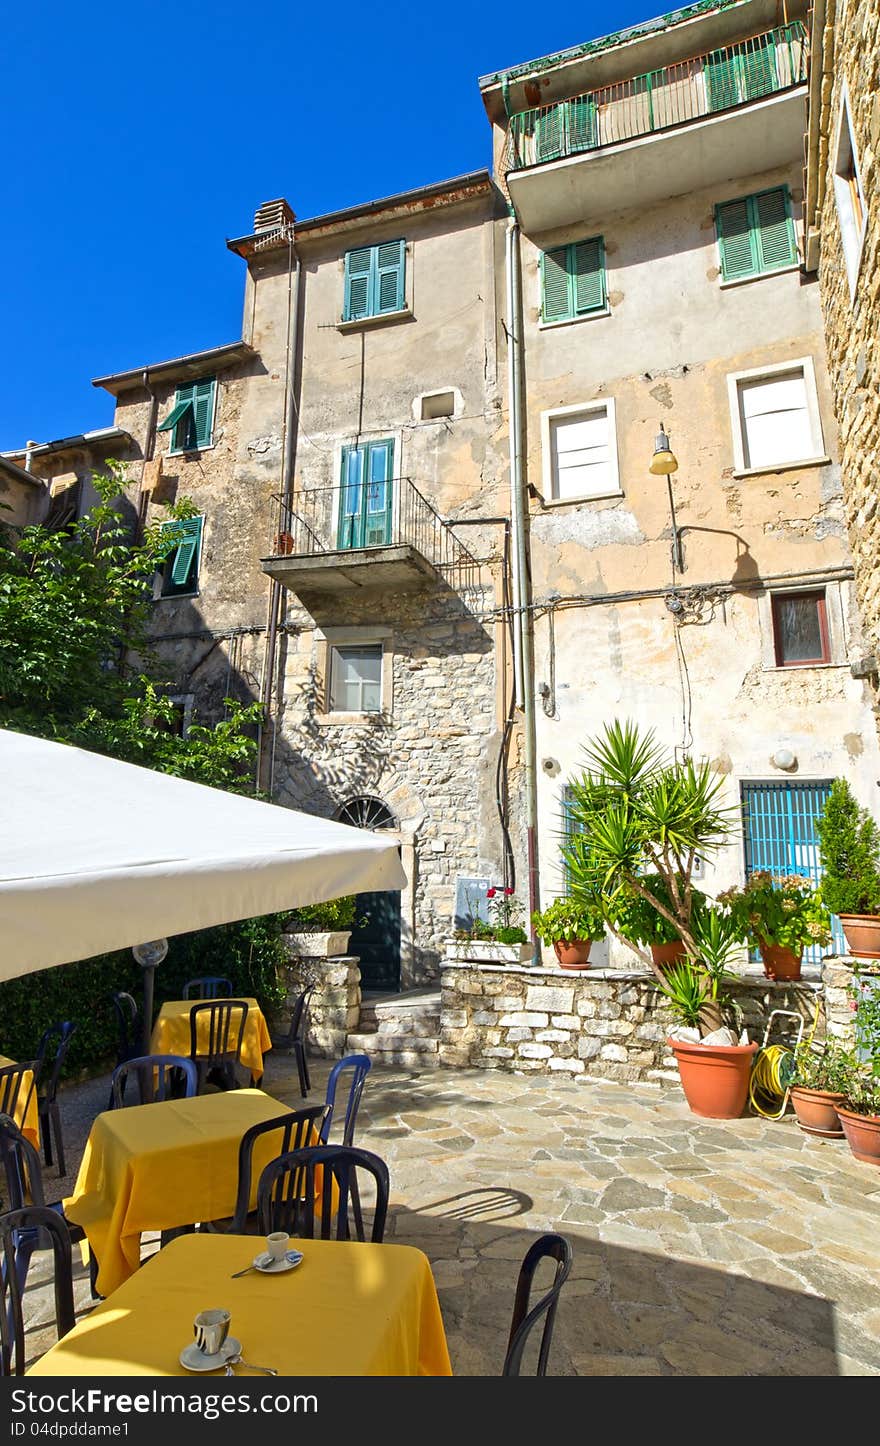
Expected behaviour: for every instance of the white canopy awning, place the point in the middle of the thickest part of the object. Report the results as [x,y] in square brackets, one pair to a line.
[98,855]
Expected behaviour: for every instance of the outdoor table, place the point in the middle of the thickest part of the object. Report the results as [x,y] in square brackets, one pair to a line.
[162,1166]
[26,1110]
[349,1309]
[171,1032]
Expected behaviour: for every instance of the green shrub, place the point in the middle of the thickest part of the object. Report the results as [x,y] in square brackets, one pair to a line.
[326,918]
[567,921]
[849,847]
[636,918]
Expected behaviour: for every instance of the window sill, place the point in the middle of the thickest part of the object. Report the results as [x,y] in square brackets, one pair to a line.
[799,667]
[351,720]
[573,320]
[759,276]
[579,501]
[383,319]
[192,451]
[175,596]
[770,469]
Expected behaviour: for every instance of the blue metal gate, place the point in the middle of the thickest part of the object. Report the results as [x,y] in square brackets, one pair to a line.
[779,834]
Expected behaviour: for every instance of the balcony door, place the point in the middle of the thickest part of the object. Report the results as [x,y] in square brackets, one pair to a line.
[366,496]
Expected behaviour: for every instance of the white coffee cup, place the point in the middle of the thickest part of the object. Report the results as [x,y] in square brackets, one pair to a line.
[211,1327]
[277,1244]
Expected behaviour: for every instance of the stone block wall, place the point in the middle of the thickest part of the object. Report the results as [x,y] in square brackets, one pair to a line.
[334,1010]
[599,1024]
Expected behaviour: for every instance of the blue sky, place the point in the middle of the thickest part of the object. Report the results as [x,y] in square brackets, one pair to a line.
[139,137]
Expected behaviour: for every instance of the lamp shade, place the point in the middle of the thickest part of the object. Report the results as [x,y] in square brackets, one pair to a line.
[664,460]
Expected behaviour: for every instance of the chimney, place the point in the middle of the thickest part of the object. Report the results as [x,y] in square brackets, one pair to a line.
[273,216]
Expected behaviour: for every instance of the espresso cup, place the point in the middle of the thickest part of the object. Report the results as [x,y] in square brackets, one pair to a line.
[211,1327]
[277,1244]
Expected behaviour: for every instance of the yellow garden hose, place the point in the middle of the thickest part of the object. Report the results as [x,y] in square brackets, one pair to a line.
[772,1073]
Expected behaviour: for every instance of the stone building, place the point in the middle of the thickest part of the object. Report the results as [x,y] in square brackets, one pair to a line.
[842,243]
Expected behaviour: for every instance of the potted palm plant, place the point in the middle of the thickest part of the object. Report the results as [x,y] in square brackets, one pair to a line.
[780,916]
[570,927]
[849,847]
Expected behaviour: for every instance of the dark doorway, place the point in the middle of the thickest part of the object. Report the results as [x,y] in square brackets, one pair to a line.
[376,940]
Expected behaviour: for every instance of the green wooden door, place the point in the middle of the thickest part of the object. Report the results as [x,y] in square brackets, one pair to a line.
[366,500]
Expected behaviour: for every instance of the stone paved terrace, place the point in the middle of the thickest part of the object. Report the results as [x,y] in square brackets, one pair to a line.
[700,1248]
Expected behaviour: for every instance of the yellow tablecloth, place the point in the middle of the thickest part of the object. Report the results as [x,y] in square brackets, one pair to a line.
[348,1310]
[28,1120]
[156,1167]
[171,1033]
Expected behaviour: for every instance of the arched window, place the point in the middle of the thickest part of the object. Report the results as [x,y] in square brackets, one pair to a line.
[366,812]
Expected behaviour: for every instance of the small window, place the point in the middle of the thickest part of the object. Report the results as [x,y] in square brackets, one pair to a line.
[800,629]
[776,417]
[581,453]
[180,570]
[573,280]
[436,405]
[356,679]
[191,419]
[756,235]
[849,196]
[375,279]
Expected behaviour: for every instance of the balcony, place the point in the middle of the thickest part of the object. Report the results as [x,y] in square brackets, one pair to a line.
[732,111]
[377,534]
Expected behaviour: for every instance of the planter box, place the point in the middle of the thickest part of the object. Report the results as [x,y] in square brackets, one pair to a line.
[318,946]
[482,952]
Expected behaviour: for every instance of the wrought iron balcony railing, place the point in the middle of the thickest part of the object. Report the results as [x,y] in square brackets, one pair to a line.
[369,516]
[660,99]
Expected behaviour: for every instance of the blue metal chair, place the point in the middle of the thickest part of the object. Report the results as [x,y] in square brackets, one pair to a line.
[208,986]
[554,1247]
[159,1077]
[359,1065]
[42,1224]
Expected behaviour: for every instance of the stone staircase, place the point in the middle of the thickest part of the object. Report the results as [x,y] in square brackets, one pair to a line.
[399,1028]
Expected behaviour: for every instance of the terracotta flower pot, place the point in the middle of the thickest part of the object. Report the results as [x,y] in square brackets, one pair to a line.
[573,953]
[779,962]
[863,1135]
[668,953]
[714,1077]
[817,1113]
[862,934]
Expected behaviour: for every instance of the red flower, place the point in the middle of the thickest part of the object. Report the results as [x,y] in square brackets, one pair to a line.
[508,891]
[490,893]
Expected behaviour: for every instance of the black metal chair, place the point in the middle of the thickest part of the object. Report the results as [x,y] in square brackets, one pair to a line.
[41,1223]
[130,1037]
[295,1038]
[221,1024]
[208,986]
[552,1247]
[16,1089]
[47,1088]
[286,1194]
[294,1131]
[158,1077]
[23,1177]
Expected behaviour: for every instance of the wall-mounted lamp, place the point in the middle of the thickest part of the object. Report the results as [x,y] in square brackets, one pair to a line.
[663,463]
[784,758]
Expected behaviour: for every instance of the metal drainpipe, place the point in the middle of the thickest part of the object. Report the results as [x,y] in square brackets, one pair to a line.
[523,662]
[276,590]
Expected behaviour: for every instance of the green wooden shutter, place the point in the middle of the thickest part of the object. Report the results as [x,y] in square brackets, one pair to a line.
[550,138]
[583,132]
[736,242]
[378,494]
[203,411]
[722,87]
[358,266]
[556,304]
[588,275]
[758,68]
[178,411]
[773,229]
[390,260]
[184,560]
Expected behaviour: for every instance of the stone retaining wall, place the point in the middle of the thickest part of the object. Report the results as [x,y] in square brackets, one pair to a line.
[334,1011]
[602,1023]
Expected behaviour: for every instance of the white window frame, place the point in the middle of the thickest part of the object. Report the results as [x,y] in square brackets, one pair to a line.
[837,603]
[852,236]
[755,374]
[604,404]
[330,639]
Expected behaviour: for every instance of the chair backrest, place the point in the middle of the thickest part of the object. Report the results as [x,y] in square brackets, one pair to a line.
[158,1076]
[22,1170]
[296,1185]
[127,1019]
[299,1016]
[64,1031]
[12,1335]
[359,1064]
[216,1030]
[15,1090]
[294,1131]
[207,986]
[553,1247]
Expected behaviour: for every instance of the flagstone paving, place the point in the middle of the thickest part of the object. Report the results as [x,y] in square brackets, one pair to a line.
[700,1248]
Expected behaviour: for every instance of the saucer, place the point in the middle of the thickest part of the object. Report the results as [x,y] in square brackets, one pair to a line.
[268,1266]
[195,1360]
